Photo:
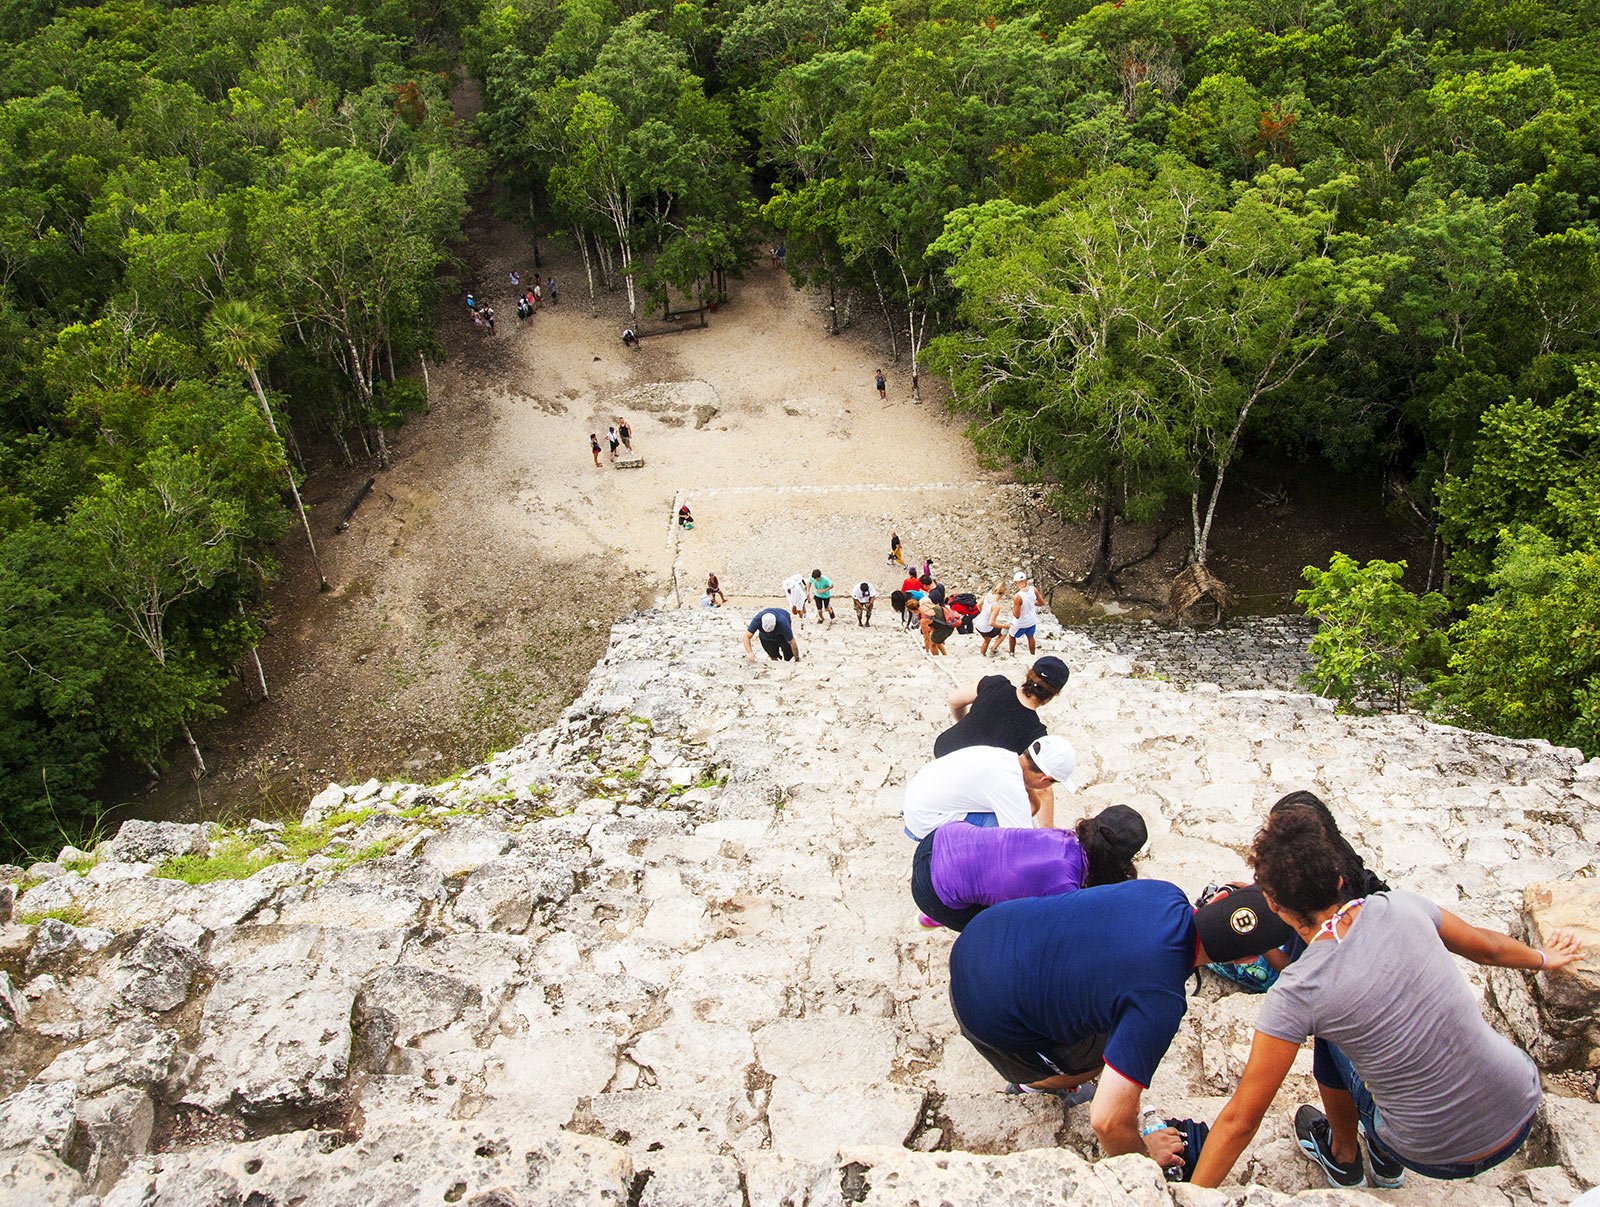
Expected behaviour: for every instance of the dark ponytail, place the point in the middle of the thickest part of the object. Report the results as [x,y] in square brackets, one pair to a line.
[1296,862]
[1359,881]
[1103,862]
[1036,688]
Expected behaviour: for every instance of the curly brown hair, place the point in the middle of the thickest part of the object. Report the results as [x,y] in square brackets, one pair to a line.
[1296,863]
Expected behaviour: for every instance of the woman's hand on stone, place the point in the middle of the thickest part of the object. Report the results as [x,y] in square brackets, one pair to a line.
[1561,948]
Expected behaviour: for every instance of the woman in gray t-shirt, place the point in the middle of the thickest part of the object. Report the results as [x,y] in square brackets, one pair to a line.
[1405,1057]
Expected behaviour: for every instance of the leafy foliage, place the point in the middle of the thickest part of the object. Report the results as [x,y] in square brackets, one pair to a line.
[1377,641]
[201,207]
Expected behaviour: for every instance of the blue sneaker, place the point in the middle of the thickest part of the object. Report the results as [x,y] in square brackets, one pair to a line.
[1385,1174]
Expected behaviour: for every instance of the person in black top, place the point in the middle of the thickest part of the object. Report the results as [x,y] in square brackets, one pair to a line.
[993,712]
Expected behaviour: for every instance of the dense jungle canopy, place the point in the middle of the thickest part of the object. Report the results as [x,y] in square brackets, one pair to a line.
[1144,240]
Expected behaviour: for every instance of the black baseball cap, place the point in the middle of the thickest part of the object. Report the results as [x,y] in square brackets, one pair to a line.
[1123,828]
[1238,925]
[1052,670]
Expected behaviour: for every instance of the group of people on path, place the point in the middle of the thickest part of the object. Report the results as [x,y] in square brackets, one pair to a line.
[529,301]
[618,434]
[1007,614]
[1068,973]
[775,627]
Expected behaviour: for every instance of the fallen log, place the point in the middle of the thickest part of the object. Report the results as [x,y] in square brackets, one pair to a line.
[350,509]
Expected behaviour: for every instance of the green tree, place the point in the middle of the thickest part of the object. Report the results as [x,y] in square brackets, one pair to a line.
[147,548]
[1534,466]
[1525,661]
[1375,640]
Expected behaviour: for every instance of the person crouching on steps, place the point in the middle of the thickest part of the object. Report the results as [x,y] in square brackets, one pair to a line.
[961,869]
[1403,1058]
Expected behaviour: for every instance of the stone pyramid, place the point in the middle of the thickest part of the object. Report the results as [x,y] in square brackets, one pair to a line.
[665,953]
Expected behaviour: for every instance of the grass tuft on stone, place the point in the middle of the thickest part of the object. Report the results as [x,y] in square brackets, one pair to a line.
[232,858]
[72,915]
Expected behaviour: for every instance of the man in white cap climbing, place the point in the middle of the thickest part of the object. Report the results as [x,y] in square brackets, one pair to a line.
[988,786]
[773,627]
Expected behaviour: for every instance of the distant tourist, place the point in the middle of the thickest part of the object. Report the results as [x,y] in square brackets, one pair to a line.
[594,447]
[895,558]
[1024,612]
[550,288]
[862,597]
[629,339]
[613,441]
[625,433]
[822,594]
[798,592]
[994,618]
[882,383]
[714,589]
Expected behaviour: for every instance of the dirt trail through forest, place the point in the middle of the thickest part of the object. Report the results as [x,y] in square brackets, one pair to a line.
[475,586]
[473,591]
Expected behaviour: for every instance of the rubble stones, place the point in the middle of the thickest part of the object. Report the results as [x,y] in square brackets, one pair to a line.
[157,973]
[153,842]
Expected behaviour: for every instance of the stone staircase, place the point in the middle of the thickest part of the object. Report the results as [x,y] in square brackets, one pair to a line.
[665,952]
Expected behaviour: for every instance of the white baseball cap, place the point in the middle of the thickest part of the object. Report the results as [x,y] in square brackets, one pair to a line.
[768,622]
[1019,577]
[1055,757]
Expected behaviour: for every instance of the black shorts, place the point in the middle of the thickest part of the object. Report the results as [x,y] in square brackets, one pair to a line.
[1024,1068]
[777,648]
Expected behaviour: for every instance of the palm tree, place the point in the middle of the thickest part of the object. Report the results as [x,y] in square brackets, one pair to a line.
[244,337]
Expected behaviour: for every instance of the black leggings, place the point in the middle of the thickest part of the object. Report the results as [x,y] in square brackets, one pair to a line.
[927,900]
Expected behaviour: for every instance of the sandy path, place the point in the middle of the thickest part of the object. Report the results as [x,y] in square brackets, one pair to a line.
[771,431]
[474,589]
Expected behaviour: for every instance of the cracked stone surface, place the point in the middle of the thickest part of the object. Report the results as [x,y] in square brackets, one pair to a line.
[664,952]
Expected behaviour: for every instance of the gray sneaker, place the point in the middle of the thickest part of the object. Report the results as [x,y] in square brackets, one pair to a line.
[1315,1137]
[1385,1174]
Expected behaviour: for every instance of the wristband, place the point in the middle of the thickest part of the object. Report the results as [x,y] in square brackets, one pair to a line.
[1542,960]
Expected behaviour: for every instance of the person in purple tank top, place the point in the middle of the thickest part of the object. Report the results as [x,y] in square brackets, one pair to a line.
[960,869]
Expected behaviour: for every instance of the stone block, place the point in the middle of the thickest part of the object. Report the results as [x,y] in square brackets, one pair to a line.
[274,1040]
[1568,1000]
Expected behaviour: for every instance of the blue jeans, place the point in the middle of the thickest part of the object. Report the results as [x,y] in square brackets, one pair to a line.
[1332,1068]
[985,821]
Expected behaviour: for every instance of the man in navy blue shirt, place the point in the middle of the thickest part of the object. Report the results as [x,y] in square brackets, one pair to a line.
[772,625]
[1055,991]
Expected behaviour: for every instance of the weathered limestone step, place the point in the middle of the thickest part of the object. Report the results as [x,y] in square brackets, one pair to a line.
[665,948]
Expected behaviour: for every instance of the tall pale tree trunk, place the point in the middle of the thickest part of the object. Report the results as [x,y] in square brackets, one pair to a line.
[294,490]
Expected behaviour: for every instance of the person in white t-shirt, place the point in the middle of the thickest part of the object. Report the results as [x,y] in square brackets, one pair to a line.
[988,786]
[862,597]
[1024,612]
